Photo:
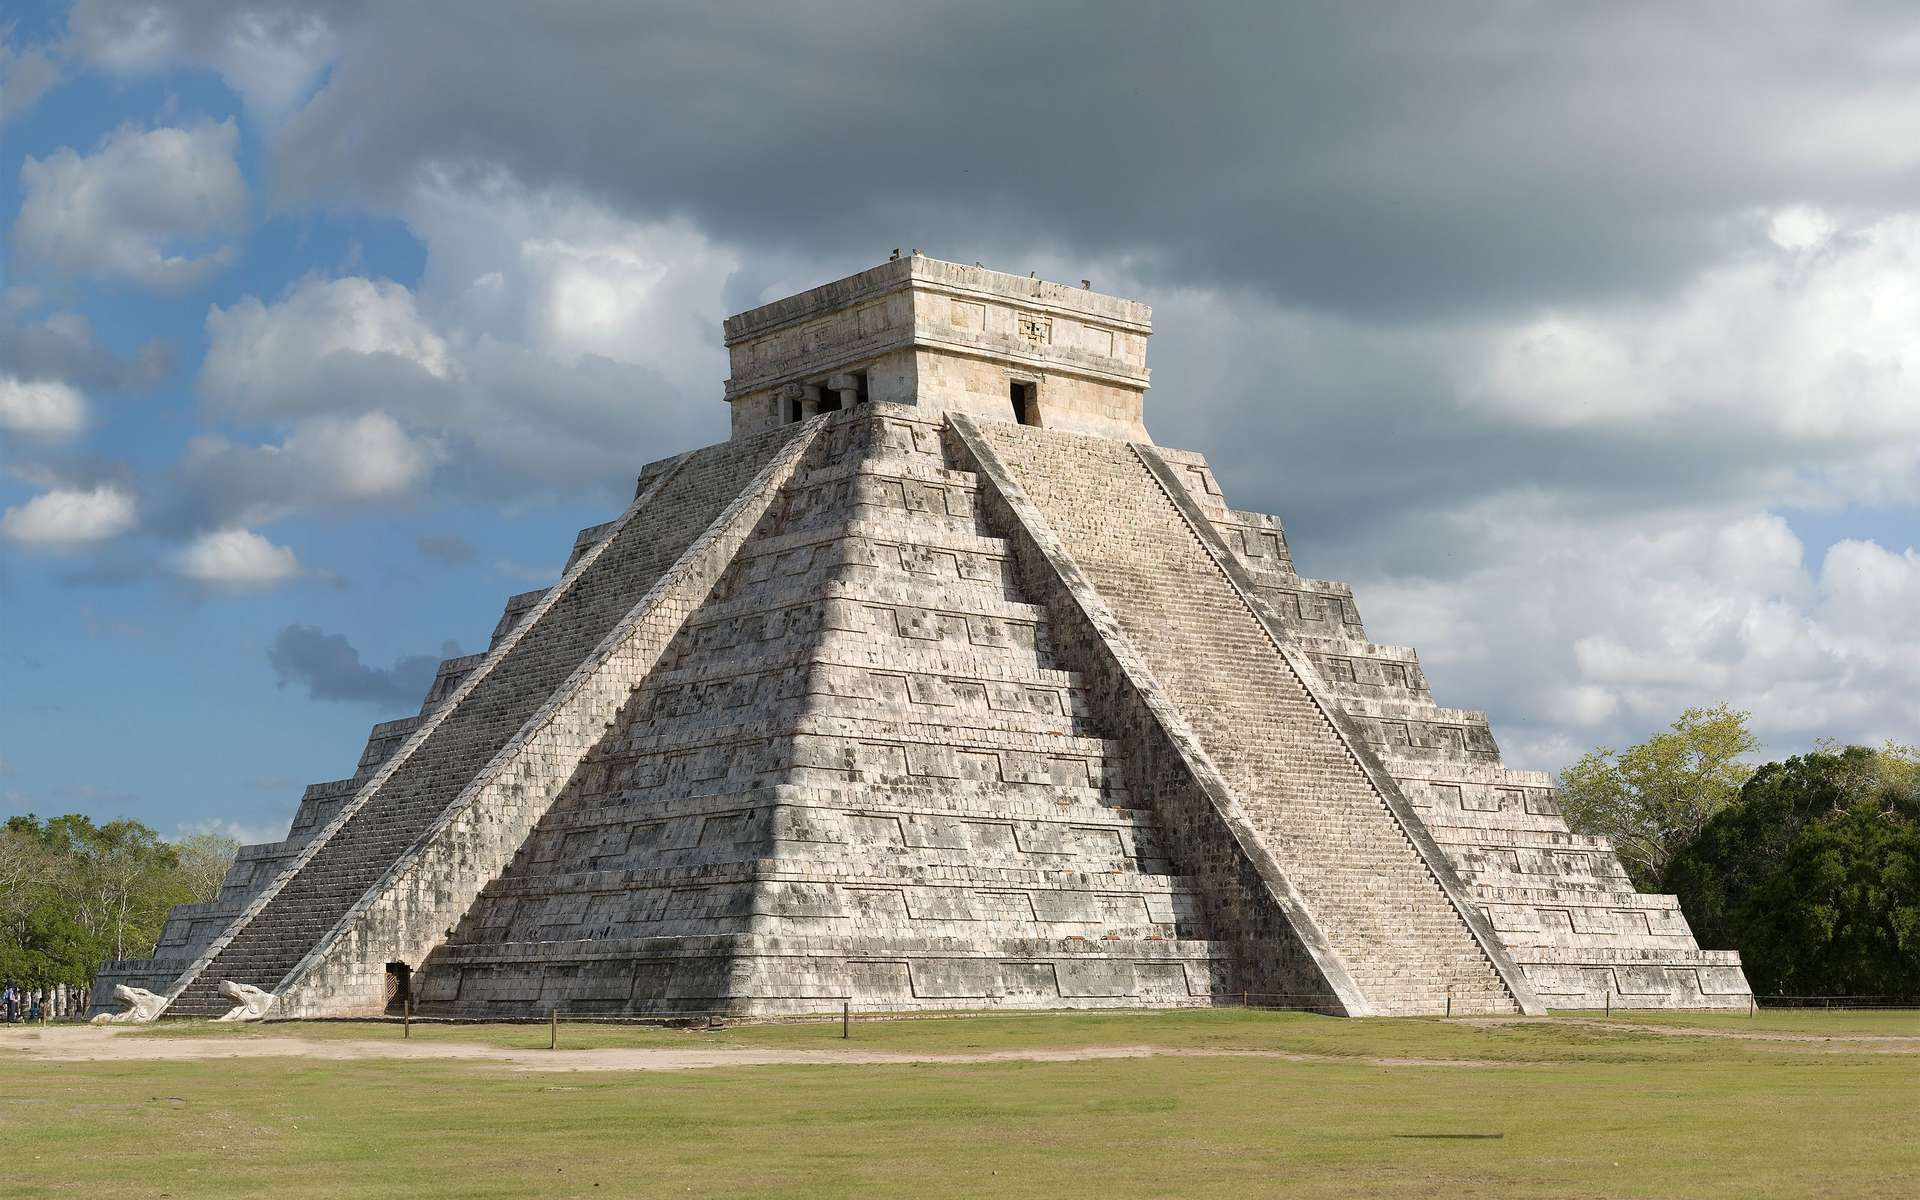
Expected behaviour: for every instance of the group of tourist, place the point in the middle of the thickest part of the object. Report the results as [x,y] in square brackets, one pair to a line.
[34,1004]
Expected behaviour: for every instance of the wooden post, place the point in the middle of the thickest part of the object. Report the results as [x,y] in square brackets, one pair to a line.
[1449,1001]
[1753,1005]
[553,1039]
[846,1018]
[1246,999]
[1609,1002]
[406,1018]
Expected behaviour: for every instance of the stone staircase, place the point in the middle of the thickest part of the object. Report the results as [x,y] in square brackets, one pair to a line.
[1378,901]
[1560,903]
[294,915]
[859,772]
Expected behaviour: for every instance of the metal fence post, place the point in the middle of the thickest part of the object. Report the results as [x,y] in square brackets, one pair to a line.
[846,1018]
[553,1039]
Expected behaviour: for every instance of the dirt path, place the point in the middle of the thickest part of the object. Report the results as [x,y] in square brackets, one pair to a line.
[107,1044]
[1890,1043]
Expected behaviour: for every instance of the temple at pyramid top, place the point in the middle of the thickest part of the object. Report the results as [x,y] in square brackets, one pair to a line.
[945,338]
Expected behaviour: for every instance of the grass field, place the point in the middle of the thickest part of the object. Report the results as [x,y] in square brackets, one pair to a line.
[1785,1104]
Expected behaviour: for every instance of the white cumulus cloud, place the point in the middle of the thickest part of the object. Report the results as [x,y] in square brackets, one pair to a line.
[326,463]
[1808,332]
[153,206]
[65,518]
[550,347]
[359,458]
[1581,630]
[42,406]
[236,558]
[328,344]
[568,277]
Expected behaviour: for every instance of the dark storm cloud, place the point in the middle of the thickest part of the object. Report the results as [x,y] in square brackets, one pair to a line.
[1358,224]
[1381,159]
[1381,162]
[330,669]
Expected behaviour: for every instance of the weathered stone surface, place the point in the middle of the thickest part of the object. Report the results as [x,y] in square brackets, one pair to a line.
[142,1006]
[937,686]
[249,1002]
[944,338]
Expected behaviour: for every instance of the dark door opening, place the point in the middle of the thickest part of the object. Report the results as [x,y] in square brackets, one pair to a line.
[399,988]
[1026,408]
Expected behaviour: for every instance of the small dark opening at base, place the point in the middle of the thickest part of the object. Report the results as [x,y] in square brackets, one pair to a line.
[399,987]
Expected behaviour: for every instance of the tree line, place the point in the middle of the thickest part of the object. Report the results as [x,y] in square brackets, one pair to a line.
[74,894]
[1809,867]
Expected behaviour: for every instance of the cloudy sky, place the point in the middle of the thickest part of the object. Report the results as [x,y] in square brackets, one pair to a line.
[1583,339]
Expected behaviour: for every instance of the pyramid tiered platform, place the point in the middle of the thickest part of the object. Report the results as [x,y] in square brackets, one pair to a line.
[936,686]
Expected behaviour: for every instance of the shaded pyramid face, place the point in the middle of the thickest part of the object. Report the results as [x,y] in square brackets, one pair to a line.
[861,770]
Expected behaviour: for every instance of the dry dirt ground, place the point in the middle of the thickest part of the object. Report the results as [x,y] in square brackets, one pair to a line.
[127,1044]
[120,1044]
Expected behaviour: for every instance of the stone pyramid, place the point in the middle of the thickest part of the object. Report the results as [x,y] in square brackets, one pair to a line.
[937,686]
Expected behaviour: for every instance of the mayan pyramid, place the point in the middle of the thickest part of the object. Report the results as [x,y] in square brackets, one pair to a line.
[938,685]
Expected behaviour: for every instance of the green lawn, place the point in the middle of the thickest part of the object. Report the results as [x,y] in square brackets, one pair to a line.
[1580,1111]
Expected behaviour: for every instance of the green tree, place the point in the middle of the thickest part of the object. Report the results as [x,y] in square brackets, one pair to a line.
[73,893]
[204,861]
[25,870]
[1814,874]
[1653,798]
